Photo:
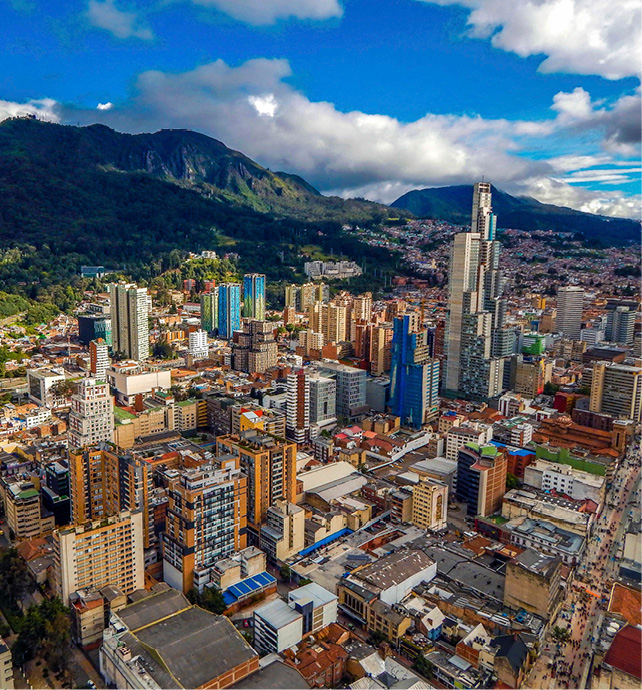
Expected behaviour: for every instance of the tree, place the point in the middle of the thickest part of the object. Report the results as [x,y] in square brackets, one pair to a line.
[560,634]
[550,388]
[511,481]
[285,573]
[15,579]
[211,599]
[423,666]
[163,350]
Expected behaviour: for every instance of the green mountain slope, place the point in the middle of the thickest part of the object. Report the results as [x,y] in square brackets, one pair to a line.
[454,205]
[72,196]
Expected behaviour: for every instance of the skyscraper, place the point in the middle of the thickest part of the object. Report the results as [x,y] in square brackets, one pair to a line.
[620,325]
[129,324]
[254,296]
[98,359]
[209,311]
[229,309]
[476,306]
[414,375]
[197,345]
[570,302]
[92,416]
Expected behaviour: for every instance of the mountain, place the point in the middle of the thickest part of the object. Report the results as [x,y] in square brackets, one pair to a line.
[189,159]
[137,203]
[454,204]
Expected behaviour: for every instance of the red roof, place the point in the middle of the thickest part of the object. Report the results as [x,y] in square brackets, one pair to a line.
[624,652]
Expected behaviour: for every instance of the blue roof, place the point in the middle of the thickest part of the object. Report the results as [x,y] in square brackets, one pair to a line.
[248,586]
[512,449]
[324,541]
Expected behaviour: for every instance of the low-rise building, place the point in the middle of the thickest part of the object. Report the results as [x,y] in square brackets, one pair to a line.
[277,627]
[6,666]
[533,583]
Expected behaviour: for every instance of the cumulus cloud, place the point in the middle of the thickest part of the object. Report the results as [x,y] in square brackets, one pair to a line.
[105,106]
[43,109]
[620,122]
[121,23]
[577,36]
[259,12]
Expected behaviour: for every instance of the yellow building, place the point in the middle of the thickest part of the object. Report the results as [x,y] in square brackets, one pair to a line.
[99,553]
[429,504]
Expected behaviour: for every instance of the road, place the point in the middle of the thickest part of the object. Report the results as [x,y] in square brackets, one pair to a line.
[580,615]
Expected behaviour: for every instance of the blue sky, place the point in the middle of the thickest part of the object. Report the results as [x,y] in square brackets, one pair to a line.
[367,97]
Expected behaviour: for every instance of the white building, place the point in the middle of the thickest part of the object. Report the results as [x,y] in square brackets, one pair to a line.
[592,336]
[91,418]
[197,346]
[40,383]
[317,605]
[553,476]
[277,627]
[129,379]
[129,320]
[323,400]
[570,302]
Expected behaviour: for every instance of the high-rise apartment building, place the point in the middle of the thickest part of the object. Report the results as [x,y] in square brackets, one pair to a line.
[269,463]
[616,389]
[414,375]
[362,307]
[229,309]
[380,348]
[620,325]
[329,319]
[481,478]
[91,418]
[476,306]
[129,320]
[98,359]
[95,554]
[254,349]
[254,296]
[297,409]
[209,311]
[206,520]
[197,346]
[570,302]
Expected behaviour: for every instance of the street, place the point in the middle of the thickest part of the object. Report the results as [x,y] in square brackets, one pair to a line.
[567,664]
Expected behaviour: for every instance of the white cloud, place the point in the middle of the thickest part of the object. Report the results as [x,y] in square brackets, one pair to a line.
[105,106]
[121,23]
[577,36]
[43,109]
[259,12]
[253,109]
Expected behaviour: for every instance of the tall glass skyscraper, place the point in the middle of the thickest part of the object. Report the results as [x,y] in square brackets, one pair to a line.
[476,308]
[414,374]
[229,309]
[254,296]
[209,311]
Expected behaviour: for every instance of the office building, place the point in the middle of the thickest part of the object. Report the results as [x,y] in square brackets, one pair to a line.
[269,464]
[533,583]
[98,359]
[592,336]
[414,375]
[229,309]
[129,380]
[209,311]
[94,327]
[129,320]
[254,349]
[254,296]
[323,399]
[616,389]
[56,494]
[620,324]
[529,375]
[570,303]
[481,478]
[197,345]
[297,421]
[429,504]
[206,521]
[474,368]
[351,387]
[277,627]
[91,419]
[41,384]
[95,554]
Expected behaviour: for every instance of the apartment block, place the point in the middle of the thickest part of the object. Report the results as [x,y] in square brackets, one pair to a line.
[25,514]
[99,553]
[283,534]
[91,419]
[429,504]
[481,478]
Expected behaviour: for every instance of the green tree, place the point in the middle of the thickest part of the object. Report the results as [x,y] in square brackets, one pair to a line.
[550,388]
[511,481]
[163,350]
[285,573]
[15,580]
[423,666]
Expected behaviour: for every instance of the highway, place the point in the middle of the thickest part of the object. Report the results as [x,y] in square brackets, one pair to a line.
[567,665]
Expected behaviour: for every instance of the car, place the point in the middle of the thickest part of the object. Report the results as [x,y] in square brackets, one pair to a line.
[91,684]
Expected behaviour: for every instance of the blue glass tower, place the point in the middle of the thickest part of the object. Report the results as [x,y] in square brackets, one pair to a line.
[229,309]
[414,375]
[254,296]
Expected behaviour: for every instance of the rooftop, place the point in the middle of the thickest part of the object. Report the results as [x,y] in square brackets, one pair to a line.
[395,568]
[277,614]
